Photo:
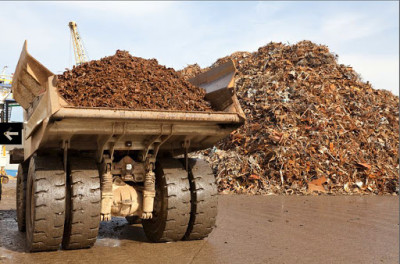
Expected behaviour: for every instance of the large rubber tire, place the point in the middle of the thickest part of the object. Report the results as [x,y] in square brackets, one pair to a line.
[83,204]
[204,200]
[172,203]
[45,204]
[21,195]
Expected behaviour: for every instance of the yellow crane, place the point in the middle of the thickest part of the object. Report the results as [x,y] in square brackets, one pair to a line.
[79,49]
[5,78]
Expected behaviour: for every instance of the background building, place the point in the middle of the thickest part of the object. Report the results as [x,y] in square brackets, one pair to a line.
[7,104]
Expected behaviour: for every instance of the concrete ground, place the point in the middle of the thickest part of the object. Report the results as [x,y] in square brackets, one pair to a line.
[250,229]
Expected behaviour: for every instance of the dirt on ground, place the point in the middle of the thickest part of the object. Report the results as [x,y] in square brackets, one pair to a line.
[125,81]
[313,125]
[250,229]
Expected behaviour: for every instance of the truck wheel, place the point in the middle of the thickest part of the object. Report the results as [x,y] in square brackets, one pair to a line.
[82,219]
[171,205]
[22,175]
[204,200]
[45,203]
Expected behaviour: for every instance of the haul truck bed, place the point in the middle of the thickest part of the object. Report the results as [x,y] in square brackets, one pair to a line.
[82,165]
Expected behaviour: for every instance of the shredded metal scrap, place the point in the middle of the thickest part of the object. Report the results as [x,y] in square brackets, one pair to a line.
[124,81]
[312,126]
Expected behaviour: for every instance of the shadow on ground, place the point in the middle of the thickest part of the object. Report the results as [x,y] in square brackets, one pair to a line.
[118,229]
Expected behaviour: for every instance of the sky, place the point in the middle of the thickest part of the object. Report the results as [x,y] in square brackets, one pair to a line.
[365,35]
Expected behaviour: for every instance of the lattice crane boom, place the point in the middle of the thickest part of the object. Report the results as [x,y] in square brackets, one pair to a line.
[79,49]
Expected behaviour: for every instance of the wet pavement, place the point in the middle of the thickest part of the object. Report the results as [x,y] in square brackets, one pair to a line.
[250,229]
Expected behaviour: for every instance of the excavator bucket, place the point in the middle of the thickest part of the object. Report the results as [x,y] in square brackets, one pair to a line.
[29,79]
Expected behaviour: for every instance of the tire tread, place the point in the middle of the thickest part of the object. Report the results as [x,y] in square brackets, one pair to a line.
[204,200]
[81,228]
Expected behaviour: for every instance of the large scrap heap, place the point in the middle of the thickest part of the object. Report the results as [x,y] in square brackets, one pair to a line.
[312,125]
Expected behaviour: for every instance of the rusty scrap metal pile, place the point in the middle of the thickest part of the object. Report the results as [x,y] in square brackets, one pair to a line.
[313,126]
[124,81]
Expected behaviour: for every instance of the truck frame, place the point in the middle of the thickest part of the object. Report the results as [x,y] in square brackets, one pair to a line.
[80,165]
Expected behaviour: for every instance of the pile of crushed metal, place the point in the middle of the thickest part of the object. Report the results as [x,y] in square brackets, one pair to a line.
[313,126]
[125,81]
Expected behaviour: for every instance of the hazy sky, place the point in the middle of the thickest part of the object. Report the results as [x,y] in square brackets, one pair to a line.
[365,35]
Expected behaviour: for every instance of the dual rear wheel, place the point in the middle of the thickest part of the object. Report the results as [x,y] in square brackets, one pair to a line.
[185,205]
[57,209]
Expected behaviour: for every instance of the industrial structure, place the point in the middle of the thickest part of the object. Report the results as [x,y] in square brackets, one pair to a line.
[80,52]
[7,103]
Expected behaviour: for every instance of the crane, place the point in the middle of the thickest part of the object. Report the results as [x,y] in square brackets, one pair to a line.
[79,49]
[4,78]
[4,70]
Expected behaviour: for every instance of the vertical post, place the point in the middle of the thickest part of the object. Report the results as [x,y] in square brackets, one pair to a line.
[6,119]
[2,113]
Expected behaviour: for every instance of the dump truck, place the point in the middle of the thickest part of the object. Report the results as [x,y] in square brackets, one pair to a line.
[80,165]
